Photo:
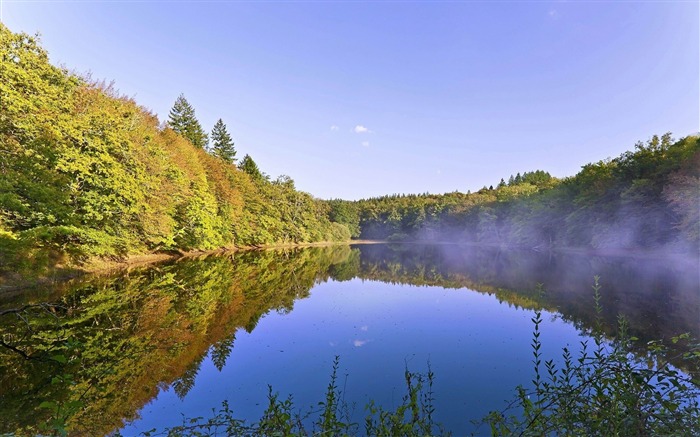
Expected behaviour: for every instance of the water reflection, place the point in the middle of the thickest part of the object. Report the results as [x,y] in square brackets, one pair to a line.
[116,342]
[660,297]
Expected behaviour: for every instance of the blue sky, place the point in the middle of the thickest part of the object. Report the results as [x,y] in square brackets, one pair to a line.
[360,99]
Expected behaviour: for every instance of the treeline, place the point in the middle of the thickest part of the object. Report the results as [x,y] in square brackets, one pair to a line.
[646,198]
[86,172]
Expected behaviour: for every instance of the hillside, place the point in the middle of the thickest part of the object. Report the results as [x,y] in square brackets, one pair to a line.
[644,199]
[85,172]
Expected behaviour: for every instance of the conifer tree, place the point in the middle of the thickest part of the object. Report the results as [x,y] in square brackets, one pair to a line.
[222,144]
[249,166]
[183,121]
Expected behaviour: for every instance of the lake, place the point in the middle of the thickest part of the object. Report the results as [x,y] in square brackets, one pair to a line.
[139,349]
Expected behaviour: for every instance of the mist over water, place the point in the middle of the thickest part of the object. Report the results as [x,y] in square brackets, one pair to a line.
[183,336]
[659,295]
[626,231]
[645,200]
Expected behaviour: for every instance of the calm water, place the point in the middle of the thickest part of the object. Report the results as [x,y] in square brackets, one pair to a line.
[145,347]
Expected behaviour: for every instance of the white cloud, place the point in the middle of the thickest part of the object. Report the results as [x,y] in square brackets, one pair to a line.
[553,14]
[365,143]
[359,129]
[364,328]
[334,128]
[359,343]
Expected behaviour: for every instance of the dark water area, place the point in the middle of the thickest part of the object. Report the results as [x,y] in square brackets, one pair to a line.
[139,349]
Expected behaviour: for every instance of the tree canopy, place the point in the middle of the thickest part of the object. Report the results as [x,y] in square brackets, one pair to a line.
[643,199]
[250,167]
[85,173]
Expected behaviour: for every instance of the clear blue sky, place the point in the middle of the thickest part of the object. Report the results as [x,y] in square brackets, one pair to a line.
[359,99]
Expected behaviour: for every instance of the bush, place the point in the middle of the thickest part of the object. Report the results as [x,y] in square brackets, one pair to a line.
[604,391]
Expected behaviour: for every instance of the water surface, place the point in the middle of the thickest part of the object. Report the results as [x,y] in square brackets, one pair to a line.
[153,344]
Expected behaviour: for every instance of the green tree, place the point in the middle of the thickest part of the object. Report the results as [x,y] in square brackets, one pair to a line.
[222,144]
[249,166]
[183,121]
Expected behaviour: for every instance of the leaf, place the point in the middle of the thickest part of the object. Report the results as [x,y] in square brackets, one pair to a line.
[48,405]
[60,358]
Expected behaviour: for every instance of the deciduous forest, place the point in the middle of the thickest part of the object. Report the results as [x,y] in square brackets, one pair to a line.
[644,199]
[87,173]
[89,177]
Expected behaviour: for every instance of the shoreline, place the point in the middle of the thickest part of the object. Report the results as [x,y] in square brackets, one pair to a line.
[61,273]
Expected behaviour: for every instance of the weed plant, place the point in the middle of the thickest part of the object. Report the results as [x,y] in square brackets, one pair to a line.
[413,417]
[604,391]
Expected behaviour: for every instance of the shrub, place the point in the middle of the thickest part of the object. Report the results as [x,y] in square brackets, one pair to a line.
[604,391]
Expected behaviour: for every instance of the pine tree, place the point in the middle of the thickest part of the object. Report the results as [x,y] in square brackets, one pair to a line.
[183,121]
[249,166]
[222,144]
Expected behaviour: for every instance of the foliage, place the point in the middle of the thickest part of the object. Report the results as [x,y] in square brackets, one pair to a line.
[222,144]
[606,391]
[182,120]
[413,417]
[346,213]
[643,199]
[251,168]
[87,173]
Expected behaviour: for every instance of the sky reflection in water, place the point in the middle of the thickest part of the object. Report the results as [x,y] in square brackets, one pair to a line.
[477,347]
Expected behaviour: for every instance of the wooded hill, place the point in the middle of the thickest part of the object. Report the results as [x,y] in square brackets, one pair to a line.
[88,173]
[648,198]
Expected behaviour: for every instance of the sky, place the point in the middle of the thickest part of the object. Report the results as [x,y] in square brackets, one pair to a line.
[357,99]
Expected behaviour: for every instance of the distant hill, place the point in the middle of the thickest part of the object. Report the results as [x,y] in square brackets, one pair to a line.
[647,199]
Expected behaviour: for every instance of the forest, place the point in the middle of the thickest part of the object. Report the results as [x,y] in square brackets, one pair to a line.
[644,199]
[86,173]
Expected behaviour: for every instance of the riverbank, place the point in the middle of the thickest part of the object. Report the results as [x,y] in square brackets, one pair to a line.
[13,282]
